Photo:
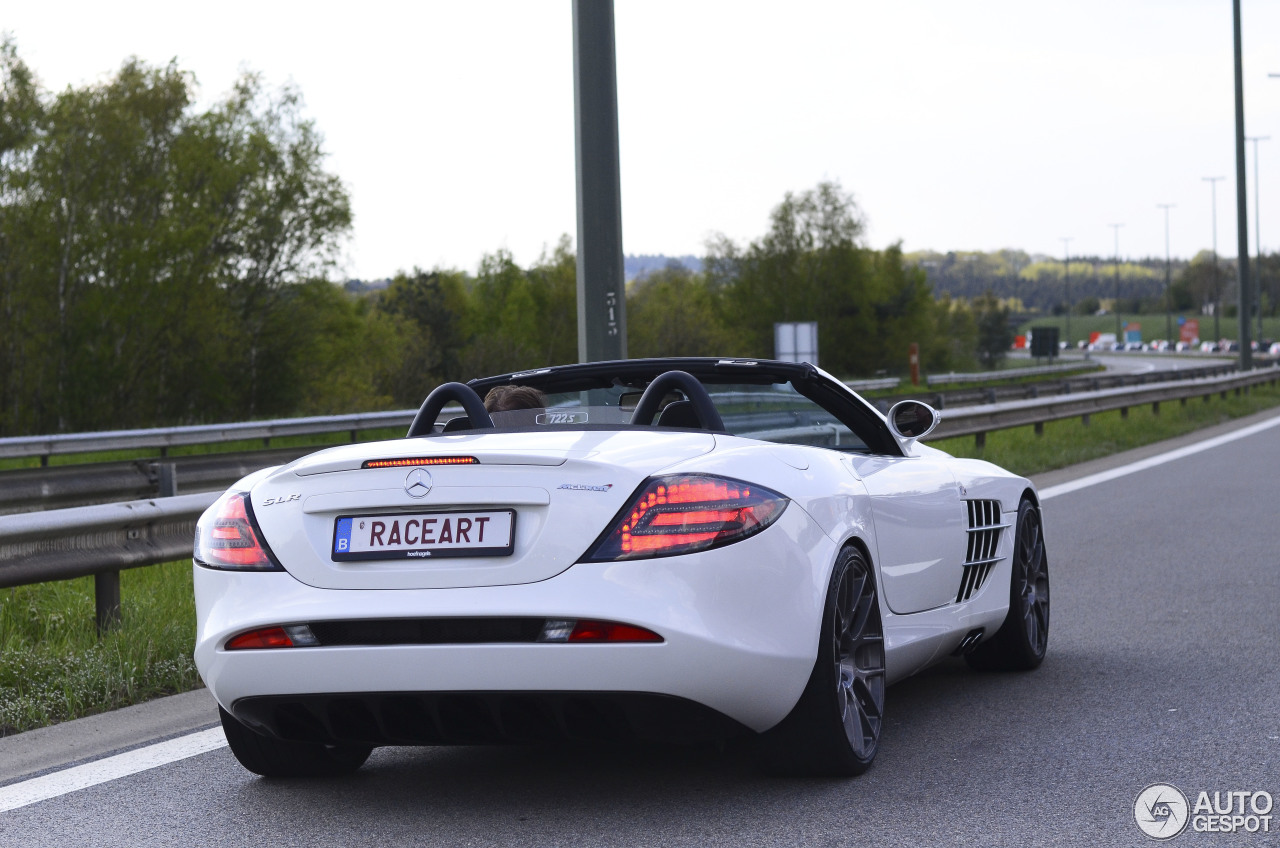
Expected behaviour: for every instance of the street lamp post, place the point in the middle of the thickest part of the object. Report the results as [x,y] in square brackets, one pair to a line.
[1168,306]
[1119,331]
[1066,281]
[1257,231]
[1217,299]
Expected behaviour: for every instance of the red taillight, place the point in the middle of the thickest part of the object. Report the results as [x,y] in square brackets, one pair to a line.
[267,637]
[288,636]
[226,536]
[679,515]
[608,631]
[587,631]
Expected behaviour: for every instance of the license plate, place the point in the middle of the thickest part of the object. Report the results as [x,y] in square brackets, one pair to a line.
[427,535]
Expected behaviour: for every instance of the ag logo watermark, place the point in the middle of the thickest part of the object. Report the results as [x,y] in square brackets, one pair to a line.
[1162,811]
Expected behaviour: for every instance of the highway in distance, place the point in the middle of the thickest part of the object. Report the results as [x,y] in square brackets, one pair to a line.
[1162,669]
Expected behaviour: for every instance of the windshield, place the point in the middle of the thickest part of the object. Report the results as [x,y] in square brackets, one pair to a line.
[770,412]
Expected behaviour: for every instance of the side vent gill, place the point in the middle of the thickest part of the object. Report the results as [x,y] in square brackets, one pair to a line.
[984,540]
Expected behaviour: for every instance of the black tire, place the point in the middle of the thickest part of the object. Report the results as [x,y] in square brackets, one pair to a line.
[271,757]
[834,729]
[1022,640]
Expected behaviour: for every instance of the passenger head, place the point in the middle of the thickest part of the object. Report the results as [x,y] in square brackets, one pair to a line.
[507,398]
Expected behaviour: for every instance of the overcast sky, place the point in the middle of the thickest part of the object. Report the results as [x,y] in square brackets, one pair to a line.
[956,125]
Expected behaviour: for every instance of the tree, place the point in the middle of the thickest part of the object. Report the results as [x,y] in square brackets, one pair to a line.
[147,249]
[674,312]
[995,335]
[1198,285]
[523,319]
[810,267]
[953,339]
[428,313]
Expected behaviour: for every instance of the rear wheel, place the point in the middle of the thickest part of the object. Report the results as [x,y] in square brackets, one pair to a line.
[272,757]
[834,729]
[1021,642]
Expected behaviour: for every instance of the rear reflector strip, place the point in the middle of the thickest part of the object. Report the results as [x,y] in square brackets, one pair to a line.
[440,631]
[419,460]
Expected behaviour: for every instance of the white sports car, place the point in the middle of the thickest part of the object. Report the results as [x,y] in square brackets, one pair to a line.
[669,549]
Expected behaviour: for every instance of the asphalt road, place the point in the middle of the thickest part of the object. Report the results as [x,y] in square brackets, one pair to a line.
[1162,668]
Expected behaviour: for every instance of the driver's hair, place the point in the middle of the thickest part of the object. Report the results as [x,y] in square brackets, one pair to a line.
[506,398]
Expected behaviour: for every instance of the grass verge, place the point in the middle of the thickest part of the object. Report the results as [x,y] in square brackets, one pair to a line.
[53,666]
[1069,441]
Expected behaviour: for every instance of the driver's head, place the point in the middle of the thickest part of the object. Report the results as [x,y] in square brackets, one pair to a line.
[506,398]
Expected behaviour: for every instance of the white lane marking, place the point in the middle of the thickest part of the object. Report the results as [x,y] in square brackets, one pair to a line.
[110,768]
[1153,461]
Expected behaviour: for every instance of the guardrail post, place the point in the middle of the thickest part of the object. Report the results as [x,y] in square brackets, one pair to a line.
[1124,412]
[1039,425]
[168,480]
[1155,408]
[106,600]
[1084,420]
[980,440]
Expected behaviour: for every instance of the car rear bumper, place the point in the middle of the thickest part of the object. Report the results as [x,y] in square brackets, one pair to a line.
[739,626]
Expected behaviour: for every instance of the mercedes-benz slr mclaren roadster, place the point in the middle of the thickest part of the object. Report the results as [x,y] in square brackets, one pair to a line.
[671,550]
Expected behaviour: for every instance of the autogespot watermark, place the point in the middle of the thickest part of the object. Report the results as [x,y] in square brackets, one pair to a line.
[1162,811]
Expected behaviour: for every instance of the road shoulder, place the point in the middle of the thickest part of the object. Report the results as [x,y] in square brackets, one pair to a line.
[45,748]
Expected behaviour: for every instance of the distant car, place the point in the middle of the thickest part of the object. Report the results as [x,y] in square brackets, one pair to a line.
[1274,350]
[1208,347]
[664,549]
[1182,346]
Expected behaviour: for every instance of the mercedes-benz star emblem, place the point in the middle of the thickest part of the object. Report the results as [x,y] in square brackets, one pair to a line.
[418,483]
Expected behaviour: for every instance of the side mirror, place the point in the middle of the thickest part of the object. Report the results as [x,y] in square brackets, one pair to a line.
[911,419]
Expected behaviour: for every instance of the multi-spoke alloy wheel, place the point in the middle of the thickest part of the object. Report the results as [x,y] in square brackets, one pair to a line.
[835,727]
[858,651]
[1022,640]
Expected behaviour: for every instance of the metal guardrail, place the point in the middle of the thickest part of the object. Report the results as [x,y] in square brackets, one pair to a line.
[874,385]
[164,438]
[1007,374]
[979,420]
[1065,384]
[64,486]
[37,547]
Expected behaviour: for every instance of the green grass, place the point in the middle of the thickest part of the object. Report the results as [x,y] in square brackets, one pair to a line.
[1069,441]
[53,667]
